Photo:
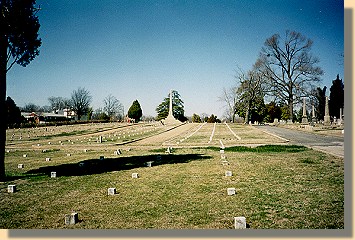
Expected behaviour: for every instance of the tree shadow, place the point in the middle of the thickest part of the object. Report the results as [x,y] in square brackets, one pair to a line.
[97,166]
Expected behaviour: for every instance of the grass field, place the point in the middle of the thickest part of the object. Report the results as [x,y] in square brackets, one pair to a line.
[278,187]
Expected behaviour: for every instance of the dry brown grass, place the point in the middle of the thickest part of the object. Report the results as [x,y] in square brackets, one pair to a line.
[185,190]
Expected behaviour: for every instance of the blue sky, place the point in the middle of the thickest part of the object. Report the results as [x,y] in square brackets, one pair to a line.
[139,49]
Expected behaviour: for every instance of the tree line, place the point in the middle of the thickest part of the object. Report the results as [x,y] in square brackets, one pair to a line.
[285,72]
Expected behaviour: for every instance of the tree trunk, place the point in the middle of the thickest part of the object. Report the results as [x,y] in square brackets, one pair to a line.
[290,105]
[3,113]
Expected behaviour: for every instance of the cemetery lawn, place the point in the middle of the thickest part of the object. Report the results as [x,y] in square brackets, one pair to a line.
[277,187]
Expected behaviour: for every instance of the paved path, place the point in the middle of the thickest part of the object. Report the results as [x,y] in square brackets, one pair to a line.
[329,144]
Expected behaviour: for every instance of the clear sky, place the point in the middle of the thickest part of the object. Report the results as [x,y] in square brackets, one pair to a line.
[135,49]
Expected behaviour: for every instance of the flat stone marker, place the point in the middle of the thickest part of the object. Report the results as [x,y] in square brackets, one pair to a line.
[225,163]
[228,173]
[231,191]
[71,219]
[149,164]
[135,175]
[111,191]
[20,165]
[24,155]
[48,159]
[221,151]
[85,150]
[240,223]
[68,154]
[53,174]
[11,188]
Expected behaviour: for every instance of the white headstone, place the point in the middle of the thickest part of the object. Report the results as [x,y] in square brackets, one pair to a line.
[228,173]
[149,164]
[85,150]
[53,174]
[135,175]
[111,191]
[11,188]
[20,165]
[221,151]
[231,191]
[240,223]
[68,154]
[48,159]
[71,219]
[24,155]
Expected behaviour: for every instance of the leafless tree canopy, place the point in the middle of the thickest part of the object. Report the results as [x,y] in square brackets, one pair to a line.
[81,100]
[289,67]
[113,107]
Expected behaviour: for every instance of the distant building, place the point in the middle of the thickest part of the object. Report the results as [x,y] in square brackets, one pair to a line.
[60,116]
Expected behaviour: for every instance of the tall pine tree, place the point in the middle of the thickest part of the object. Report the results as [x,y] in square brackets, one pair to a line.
[336,97]
[135,111]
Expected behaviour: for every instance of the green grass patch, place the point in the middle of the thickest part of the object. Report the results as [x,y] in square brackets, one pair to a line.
[260,149]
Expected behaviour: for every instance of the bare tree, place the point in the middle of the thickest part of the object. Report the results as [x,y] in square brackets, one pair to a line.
[250,93]
[289,67]
[81,100]
[113,107]
[230,99]
[59,103]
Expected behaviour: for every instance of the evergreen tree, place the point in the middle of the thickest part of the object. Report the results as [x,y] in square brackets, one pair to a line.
[135,111]
[320,103]
[336,97]
[272,111]
[178,107]
[196,118]
[14,117]
[19,44]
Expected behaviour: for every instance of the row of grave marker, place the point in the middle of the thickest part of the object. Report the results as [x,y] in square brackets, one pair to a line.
[239,222]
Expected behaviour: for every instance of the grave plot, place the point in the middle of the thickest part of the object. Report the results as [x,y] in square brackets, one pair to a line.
[252,135]
[201,137]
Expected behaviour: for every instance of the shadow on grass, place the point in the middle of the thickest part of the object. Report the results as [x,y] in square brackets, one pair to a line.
[97,166]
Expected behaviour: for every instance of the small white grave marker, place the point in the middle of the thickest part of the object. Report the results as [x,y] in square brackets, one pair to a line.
[85,150]
[111,191]
[149,164]
[135,175]
[48,159]
[24,155]
[68,154]
[221,151]
[53,174]
[240,223]
[71,219]
[228,174]
[11,188]
[20,165]
[231,191]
